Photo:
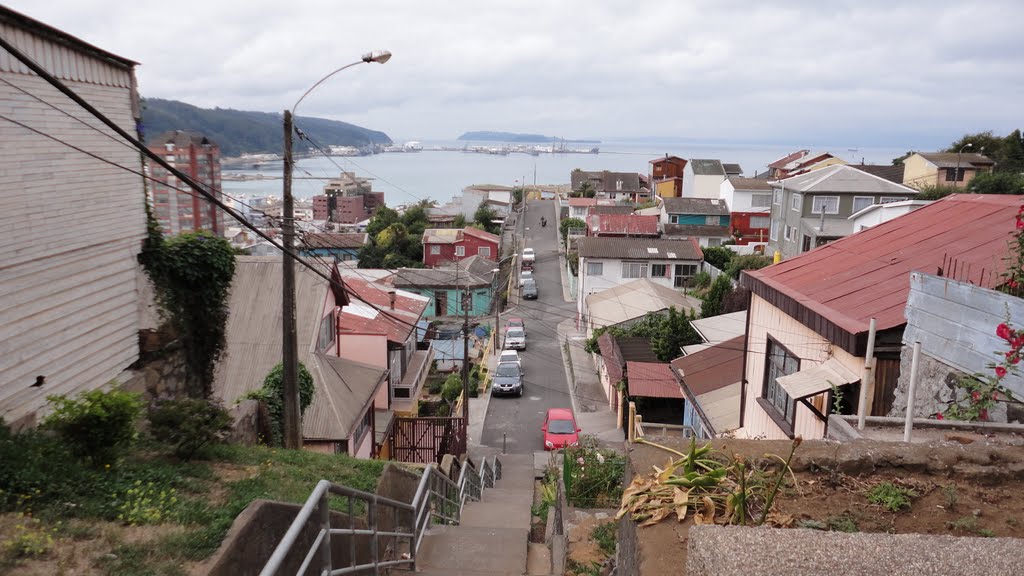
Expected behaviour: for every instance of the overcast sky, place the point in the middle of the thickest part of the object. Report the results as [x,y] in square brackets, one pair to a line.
[884,73]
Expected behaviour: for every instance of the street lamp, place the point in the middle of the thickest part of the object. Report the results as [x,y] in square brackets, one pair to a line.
[289,340]
[956,175]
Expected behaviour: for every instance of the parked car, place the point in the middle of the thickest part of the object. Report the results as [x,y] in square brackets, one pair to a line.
[529,255]
[525,275]
[515,339]
[515,323]
[509,356]
[529,289]
[560,429]
[508,379]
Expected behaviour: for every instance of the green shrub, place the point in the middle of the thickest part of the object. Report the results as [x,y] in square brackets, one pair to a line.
[97,425]
[718,256]
[701,280]
[29,539]
[894,498]
[188,424]
[452,387]
[146,503]
[605,535]
[272,395]
[435,385]
[746,262]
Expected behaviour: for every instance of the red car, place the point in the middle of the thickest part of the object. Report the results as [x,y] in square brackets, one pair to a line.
[515,323]
[560,429]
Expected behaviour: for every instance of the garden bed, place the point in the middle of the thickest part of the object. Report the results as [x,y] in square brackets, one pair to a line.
[949,489]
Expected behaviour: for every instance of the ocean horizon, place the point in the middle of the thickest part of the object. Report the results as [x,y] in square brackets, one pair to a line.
[407,177]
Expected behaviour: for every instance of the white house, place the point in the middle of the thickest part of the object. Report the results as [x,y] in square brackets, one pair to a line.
[608,262]
[703,178]
[878,213]
[73,225]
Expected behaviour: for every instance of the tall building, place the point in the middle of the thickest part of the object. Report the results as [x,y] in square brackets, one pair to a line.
[348,199]
[177,211]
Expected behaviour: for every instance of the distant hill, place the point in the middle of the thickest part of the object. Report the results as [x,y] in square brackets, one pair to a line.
[238,131]
[488,136]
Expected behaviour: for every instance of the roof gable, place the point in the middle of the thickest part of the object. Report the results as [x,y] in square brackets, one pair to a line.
[843,179]
[702,167]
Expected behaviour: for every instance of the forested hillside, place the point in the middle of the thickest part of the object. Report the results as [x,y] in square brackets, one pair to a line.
[238,131]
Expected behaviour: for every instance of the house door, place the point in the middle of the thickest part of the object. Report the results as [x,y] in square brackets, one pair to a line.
[679,279]
[440,302]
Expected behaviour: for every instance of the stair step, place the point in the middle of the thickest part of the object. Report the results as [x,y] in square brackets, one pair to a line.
[472,550]
[517,478]
[538,559]
[499,509]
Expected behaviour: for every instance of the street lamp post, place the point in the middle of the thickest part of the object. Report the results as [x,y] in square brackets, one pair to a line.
[289,341]
[956,175]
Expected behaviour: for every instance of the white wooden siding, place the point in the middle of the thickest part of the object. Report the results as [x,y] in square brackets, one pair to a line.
[70,229]
[767,320]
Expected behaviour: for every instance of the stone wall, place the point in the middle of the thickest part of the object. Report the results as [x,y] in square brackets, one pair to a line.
[937,385]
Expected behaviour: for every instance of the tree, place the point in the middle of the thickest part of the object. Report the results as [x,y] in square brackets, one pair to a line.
[996,183]
[935,192]
[736,300]
[382,218]
[459,221]
[746,262]
[712,305]
[718,256]
[564,225]
[587,190]
[485,217]
[674,333]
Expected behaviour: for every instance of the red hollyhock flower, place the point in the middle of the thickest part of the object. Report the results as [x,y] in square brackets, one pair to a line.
[1004,332]
[975,395]
[983,414]
[1000,372]
[939,416]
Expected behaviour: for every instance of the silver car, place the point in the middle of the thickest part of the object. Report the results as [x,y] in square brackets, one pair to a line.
[515,339]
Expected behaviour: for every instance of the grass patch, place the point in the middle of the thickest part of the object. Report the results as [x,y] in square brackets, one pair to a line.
[194,503]
[892,497]
[604,535]
[970,525]
[842,523]
[574,568]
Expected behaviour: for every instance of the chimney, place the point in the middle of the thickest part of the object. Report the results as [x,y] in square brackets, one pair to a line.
[391,295]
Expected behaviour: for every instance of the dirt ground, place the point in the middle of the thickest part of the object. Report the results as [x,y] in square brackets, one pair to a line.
[583,550]
[962,490]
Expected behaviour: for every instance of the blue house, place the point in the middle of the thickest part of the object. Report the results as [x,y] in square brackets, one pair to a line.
[446,286]
[706,219]
[343,247]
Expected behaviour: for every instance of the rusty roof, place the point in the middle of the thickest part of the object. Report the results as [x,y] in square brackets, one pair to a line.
[652,380]
[639,248]
[836,289]
[610,210]
[789,158]
[380,316]
[712,368]
[629,224]
[343,395]
[612,358]
[336,240]
[950,159]
[694,231]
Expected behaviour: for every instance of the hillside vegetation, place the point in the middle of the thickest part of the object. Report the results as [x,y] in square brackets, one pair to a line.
[238,131]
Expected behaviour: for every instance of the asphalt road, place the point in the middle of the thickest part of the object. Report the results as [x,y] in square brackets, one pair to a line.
[517,421]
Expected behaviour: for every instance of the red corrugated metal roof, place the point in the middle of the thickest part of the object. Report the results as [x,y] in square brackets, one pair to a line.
[867,274]
[582,201]
[652,380]
[397,322]
[631,224]
[611,357]
[712,368]
[480,234]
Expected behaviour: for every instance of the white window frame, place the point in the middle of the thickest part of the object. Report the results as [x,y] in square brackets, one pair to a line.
[711,220]
[796,202]
[767,220]
[773,230]
[435,249]
[484,251]
[777,196]
[870,199]
[632,267]
[713,242]
[789,233]
[460,251]
[765,200]
[890,199]
[815,199]
[595,268]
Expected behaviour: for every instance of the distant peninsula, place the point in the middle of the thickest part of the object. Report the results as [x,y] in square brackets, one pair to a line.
[488,136]
[240,131]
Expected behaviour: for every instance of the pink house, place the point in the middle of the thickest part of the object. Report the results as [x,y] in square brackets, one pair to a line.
[442,245]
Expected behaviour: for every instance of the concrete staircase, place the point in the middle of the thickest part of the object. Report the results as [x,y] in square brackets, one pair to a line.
[491,539]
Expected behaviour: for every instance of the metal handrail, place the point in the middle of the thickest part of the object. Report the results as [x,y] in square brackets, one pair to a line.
[437,497]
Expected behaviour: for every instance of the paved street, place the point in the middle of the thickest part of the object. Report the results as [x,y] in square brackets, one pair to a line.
[519,419]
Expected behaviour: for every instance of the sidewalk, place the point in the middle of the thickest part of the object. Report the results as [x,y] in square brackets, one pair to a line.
[589,398]
[477,415]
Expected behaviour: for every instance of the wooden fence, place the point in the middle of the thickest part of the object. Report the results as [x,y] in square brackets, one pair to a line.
[426,440]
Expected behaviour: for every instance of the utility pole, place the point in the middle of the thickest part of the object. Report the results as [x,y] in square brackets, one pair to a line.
[465,355]
[289,340]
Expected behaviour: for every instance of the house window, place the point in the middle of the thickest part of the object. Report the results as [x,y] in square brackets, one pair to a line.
[773,232]
[888,199]
[460,250]
[828,204]
[326,336]
[659,270]
[435,249]
[484,251]
[862,202]
[595,268]
[711,220]
[779,362]
[686,270]
[634,269]
[367,420]
[618,184]
[954,174]
[796,202]
[714,242]
[760,221]
[787,233]
[777,197]
[761,200]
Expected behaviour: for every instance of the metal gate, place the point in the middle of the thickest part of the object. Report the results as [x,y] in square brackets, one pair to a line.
[426,440]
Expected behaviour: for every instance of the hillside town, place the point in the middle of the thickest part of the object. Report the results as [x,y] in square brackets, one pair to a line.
[600,375]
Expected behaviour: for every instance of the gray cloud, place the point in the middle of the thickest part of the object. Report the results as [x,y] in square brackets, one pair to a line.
[916,73]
